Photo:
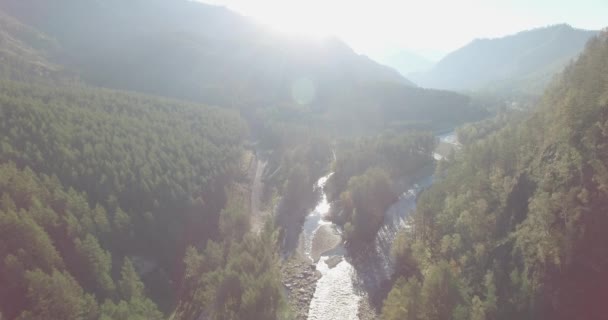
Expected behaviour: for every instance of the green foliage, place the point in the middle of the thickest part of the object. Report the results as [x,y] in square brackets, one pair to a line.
[234,280]
[134,309]
[22,237]
[519,216]
[365,173]
[438,297]
[57,296]
[472,132]
[365,201]
[134,305]
[53,265]
[141,160]
[119,146]
[440,294]
[301,163]
[130,286]
[403,302]
[234,220]
[401,155]
[98,261]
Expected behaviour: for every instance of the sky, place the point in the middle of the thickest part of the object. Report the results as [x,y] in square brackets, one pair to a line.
[430,28]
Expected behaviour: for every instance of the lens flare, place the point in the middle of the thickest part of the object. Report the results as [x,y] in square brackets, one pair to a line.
[303,91]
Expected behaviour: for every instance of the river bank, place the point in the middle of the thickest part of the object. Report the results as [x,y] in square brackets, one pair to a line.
[349,285]
[299,278]
[342,285]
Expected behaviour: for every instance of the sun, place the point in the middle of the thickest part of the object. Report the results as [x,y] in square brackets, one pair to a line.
[303,17]
[351,21]
[309,18]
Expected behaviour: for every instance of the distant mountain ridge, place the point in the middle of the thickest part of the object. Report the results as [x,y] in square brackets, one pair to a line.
[525,206]
[520,63]
[192,50]
[407,62]
[24,50]
[208,54]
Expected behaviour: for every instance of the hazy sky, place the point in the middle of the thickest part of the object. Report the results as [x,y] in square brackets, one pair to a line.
[428,27]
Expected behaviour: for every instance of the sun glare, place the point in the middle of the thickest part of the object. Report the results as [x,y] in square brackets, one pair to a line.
[310,18]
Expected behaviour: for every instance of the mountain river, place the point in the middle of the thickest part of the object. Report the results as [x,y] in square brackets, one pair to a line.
[342,287]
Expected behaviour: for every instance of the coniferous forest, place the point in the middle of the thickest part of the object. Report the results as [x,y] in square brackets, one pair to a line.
[162,160]
[514,226]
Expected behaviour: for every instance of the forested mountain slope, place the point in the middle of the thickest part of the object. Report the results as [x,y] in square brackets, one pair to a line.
[25,53]
[514,227]
[522,63]
[193,51]
[129,176]
[124,205]
[54,266]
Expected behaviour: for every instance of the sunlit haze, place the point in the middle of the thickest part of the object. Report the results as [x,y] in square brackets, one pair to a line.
[303,159]
[430,28]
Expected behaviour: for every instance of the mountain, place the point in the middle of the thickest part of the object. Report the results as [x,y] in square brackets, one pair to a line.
[519,63]
[25,51]
[192,50]
[407,62]
[125,194]
[514,226]
[209,54]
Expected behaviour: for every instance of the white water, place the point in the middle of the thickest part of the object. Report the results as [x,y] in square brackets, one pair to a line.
[379,266]
[450,138]
[335,296]
[338,291]
[316,218]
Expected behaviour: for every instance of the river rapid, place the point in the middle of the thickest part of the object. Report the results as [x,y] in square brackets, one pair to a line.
[335,295]
[342,287]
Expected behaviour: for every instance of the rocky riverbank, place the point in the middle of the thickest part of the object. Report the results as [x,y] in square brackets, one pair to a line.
[325,239]
[366,311]
[300,279]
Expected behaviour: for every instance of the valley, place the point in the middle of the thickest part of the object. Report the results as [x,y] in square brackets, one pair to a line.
[172,159]
[343,290]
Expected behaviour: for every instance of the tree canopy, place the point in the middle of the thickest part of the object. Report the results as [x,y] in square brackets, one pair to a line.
[515,224]
[365,176]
